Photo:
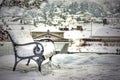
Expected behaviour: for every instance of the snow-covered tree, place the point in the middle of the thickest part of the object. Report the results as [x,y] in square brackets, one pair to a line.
[22,3]
[73,8]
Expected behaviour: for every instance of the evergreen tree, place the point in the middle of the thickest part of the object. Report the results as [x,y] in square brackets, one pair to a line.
[73,8]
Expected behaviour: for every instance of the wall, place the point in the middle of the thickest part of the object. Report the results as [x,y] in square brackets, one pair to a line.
[6,48]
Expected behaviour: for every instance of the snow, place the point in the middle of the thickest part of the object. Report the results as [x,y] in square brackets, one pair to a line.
[77,66]
[80,66]
[107,32]
[99,49]
[103,30]
[15,26]
[13,11]
[45,28]
[97,30]
[76,34]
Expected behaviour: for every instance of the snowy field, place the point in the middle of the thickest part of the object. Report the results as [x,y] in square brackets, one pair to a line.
[77,66]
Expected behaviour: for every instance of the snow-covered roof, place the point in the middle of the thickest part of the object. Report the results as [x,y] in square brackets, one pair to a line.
[13,11]
[76,34]
[107,32]
[18,27]
[45,28]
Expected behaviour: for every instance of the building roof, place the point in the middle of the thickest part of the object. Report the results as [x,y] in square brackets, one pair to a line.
[75,34]
[106,32]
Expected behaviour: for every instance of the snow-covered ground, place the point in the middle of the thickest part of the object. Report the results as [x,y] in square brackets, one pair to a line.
[77,66]
[99,49]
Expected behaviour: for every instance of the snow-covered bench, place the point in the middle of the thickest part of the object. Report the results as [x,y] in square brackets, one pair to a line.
[26,48]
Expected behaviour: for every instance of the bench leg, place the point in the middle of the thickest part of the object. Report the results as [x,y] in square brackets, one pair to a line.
[39,67]
[14,68]
[28,62]
[15,64]
[39,62]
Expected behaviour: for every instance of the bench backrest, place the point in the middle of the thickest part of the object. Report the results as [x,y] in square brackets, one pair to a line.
[20,36]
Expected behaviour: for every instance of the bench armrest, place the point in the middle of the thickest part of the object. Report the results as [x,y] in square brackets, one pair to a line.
[38,49]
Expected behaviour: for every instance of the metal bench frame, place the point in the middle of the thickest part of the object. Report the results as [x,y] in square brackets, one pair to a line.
[37,52]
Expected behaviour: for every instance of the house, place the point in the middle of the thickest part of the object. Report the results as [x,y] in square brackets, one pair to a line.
[57,20]
[103,40]
[71,22]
